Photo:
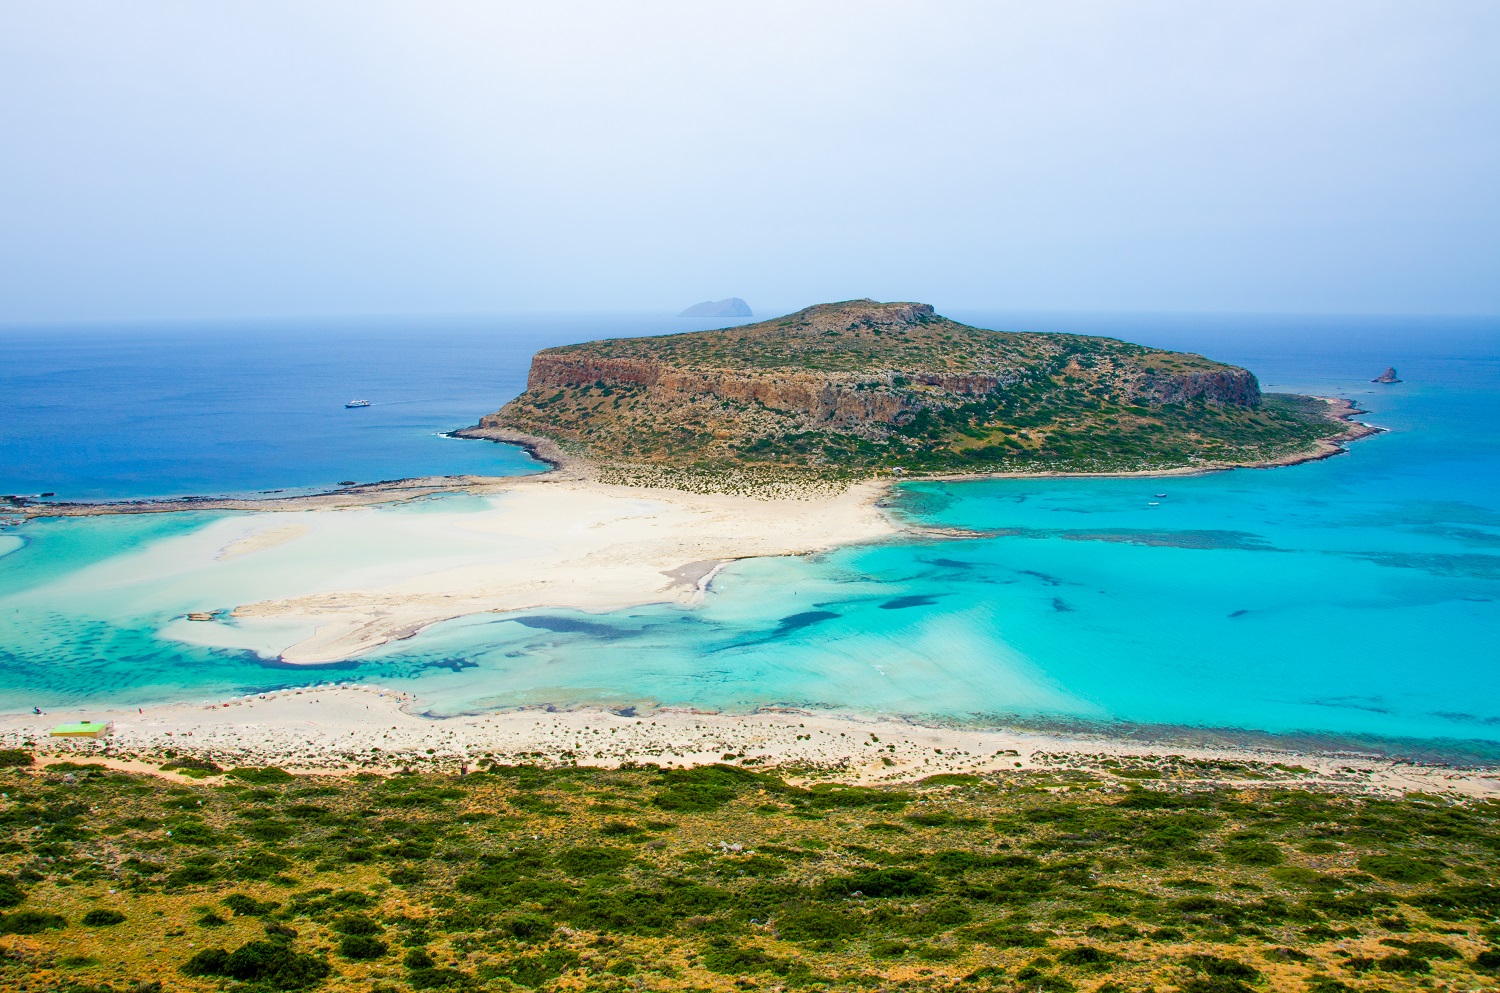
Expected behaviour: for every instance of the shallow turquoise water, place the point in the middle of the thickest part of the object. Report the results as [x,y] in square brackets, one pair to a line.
[1354,597]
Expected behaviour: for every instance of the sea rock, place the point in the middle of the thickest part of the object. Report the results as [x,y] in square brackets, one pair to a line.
[1389,376]
[732,307]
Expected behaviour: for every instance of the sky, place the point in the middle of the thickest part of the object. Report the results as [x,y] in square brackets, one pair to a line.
[244,159]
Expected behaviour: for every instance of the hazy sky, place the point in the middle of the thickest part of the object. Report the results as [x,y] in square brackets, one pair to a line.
[232,159]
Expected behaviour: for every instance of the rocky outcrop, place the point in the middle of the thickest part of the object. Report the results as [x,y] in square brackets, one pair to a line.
[1236,387]
[1389,376]
[843,400]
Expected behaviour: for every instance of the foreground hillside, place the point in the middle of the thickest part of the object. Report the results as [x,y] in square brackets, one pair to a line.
[850,389]
[719,878]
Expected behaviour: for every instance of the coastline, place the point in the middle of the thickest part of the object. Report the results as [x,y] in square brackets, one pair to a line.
[569,467]
[354,728]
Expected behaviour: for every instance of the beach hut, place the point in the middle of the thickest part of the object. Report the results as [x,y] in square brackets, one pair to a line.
[81,729]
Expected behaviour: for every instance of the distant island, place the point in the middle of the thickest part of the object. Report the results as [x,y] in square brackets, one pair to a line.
[859,389]
[1389,376]
[709,309]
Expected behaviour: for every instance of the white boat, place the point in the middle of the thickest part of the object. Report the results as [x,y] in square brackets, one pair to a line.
[357,403]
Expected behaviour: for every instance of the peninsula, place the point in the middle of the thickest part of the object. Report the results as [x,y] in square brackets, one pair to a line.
[842,391]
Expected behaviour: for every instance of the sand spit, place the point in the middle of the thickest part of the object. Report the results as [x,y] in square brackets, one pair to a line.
[349,729]
[569,543]
[362,495]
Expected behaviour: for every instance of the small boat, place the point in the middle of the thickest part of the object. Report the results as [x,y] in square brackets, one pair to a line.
[1159,495]
[356,403]
[1152,503]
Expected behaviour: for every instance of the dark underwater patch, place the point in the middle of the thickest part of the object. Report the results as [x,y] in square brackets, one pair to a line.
[452,664]
[1461,566]
[1049,580]
[949,563]
[1459,716]
[1352,703]
[805,619]
[903,602]
[1205,540]
[570,625]
[1061,606]
[1238,613]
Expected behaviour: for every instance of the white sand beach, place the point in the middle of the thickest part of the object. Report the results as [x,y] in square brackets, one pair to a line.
[355,728]
[312,586]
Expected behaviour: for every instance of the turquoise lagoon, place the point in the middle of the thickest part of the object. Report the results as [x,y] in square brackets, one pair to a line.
[1355,600]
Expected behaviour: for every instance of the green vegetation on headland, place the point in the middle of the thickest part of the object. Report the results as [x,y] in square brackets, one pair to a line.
[860,388]
[1128,877]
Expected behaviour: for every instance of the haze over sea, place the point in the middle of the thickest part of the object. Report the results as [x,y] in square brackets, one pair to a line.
[1356,599]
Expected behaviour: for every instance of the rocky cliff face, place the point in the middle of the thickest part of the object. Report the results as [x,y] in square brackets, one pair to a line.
[848,400]
[1237,387]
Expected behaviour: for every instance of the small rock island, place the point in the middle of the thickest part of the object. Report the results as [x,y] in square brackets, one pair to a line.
[1389,376]
[858,389]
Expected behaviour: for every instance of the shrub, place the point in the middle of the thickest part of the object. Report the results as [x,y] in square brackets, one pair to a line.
[593,861]
[265,777]
[529,928]
[880,883]
[192,766]
[30,922]
[356,924]
[268,963]
[362,946]
[1252,853]
[194,833]
[262,865]
[11,892]
[434,979]
[705,787]
[817,922]
[101,917]
[1400,868]
[728,959]
[1214,984]
[535,969]
[1087,956]
[15,758]
[407,875]
[248,906]
[619,829]
[1214,966]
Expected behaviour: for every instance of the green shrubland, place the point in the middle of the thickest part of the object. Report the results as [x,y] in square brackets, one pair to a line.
[530,878]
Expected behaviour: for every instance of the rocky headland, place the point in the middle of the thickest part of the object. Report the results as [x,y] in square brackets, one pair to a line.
[860,388]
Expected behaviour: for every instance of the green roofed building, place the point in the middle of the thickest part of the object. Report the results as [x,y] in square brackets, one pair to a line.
[81,729]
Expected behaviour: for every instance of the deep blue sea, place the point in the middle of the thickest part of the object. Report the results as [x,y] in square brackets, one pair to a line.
[1355,599]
